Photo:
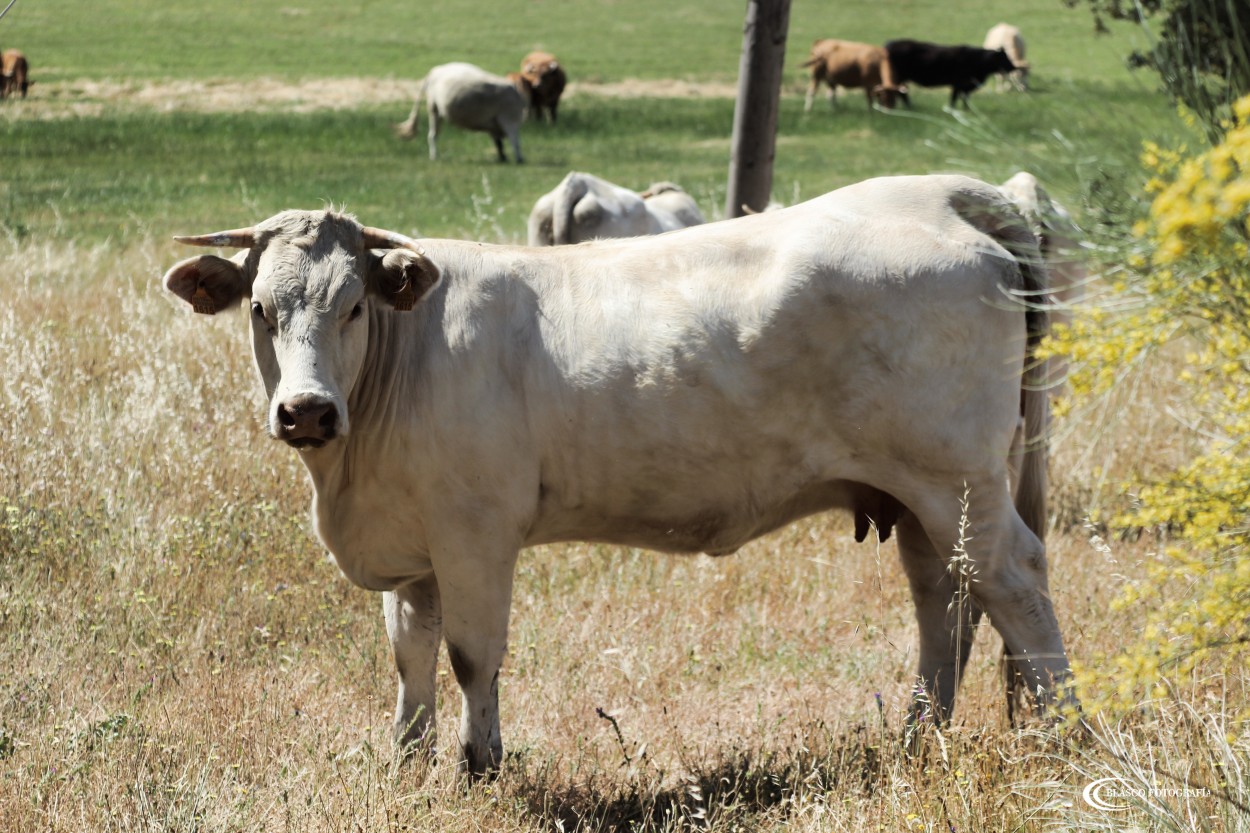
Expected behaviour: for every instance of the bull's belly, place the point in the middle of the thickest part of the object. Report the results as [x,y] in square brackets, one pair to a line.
[715,527]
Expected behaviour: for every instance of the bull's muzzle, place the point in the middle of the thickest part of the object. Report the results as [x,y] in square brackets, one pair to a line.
[306,421]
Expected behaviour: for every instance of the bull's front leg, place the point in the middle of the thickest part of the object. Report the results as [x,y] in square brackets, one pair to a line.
[475,578]
[414,623]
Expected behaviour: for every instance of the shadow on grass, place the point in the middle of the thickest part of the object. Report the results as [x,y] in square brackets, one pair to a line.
[735,786]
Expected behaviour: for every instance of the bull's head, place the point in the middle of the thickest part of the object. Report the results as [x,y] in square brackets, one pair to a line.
[316,286]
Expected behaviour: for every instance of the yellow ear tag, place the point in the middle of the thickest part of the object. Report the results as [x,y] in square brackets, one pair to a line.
[202,303]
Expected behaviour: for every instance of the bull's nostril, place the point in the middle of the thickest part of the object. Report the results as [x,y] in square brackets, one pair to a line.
[306,419]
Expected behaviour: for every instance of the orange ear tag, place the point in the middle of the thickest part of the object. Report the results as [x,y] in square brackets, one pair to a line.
[202,303]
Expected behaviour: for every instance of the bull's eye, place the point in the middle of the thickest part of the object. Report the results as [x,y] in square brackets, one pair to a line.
[258,310]
[356,311]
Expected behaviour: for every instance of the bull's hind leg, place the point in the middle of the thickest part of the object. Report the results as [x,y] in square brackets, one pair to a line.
[947,616]
[497,136]
[1007,566]
[436,125]
[514,138]
[414,623]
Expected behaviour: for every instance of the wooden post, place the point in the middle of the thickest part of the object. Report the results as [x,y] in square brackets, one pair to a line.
[755,114]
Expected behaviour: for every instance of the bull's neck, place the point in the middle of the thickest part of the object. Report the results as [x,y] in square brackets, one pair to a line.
[389,362]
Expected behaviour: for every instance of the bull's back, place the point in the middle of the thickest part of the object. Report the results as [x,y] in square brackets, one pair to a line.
[933,65]
[847,63]
[722,378]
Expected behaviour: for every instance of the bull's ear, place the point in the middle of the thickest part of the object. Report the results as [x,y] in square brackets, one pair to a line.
[402,277]
[207,282]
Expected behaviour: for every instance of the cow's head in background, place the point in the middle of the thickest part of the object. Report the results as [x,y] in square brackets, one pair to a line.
[312,277]
[1001,61]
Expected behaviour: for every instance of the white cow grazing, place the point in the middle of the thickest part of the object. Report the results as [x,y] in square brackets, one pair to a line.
[455,402]
[471,98]
[1006,37]
[585,207]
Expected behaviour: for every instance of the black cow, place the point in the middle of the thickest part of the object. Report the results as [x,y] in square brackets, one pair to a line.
[962,68]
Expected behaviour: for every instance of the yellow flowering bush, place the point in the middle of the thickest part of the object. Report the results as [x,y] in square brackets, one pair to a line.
[1185,281]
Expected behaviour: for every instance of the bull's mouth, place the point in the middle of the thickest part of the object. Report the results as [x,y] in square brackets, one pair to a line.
[302,443]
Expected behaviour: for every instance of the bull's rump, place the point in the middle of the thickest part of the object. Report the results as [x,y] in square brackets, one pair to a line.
[689,391]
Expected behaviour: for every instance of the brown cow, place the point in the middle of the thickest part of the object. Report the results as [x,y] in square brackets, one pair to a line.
[14,73]
[844,63]
[546,80]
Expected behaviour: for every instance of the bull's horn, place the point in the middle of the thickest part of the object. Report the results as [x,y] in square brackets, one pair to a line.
[240,238]
[376,238]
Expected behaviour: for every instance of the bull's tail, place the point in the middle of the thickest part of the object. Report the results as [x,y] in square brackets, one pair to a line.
[1031,485]
[571,190]
[817,54]
[408,128]
[987,209]
[1030,450]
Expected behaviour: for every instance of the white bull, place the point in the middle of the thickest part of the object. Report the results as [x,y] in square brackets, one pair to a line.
[455,402]
[1006,37]
[471,98]
[585,207]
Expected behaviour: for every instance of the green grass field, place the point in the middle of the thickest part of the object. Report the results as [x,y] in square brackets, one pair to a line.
[115,173]
[608,40]
[139,173]
[178,653]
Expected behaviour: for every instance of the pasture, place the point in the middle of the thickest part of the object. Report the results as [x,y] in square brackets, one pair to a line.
[178,652]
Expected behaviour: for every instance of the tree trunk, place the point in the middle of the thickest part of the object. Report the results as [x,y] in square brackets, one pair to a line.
[755,114]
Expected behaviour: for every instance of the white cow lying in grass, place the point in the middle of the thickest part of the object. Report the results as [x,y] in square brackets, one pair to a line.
[456,401]
[471,98]
[585,207]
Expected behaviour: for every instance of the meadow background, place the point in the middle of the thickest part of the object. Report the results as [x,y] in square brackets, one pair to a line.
[176,651]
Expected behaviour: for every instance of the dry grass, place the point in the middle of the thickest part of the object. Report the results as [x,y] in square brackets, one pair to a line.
[92,97]
[181,656]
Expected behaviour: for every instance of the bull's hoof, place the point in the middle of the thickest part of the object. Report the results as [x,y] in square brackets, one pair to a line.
[481,764]
[415,740]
